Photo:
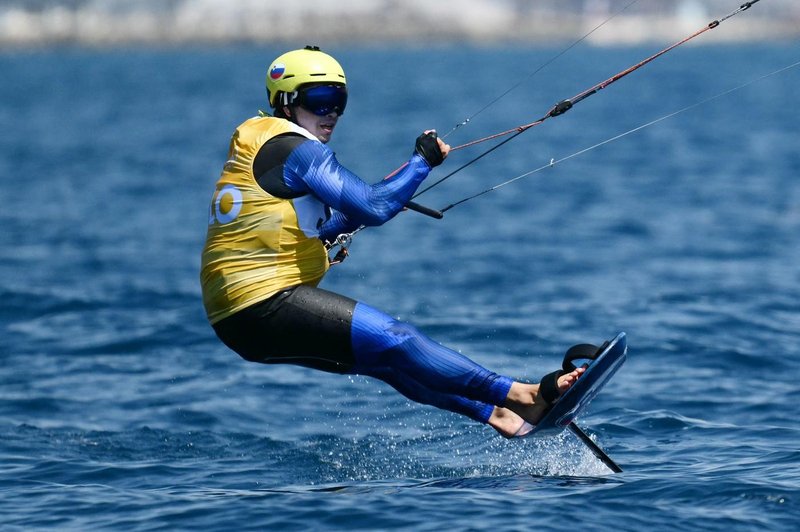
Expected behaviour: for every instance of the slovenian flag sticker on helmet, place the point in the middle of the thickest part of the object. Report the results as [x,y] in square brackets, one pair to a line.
[277,70]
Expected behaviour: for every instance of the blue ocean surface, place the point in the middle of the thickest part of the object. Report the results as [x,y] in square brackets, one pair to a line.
[120,409]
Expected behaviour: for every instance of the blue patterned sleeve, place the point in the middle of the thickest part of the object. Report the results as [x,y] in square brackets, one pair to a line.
[312,167]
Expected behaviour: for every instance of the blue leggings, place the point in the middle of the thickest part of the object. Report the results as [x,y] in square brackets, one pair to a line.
[316,328]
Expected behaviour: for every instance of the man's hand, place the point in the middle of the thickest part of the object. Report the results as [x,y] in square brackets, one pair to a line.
[432,148]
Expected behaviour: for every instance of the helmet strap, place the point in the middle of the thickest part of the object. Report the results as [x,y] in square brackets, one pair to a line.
[287,98]
[282,105]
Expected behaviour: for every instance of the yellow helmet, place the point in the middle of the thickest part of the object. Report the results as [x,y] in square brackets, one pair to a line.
[299,67]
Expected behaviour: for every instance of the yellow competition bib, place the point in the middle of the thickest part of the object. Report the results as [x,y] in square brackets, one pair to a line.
[256,244]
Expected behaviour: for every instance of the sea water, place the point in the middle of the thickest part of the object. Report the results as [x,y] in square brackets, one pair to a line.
[119,408]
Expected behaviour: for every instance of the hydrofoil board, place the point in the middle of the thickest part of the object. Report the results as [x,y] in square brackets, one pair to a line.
[602,366]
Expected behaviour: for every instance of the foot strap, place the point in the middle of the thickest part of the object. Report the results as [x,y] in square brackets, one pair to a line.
[548,386]
[581,352]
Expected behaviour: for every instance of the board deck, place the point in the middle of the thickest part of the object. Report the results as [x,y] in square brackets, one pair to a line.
[578,397]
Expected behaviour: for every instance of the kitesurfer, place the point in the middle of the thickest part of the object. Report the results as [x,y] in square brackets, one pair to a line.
[281,196]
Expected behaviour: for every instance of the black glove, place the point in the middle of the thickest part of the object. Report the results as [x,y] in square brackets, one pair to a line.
[428,147]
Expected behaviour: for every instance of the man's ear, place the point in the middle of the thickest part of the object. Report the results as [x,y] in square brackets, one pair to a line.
[287,111]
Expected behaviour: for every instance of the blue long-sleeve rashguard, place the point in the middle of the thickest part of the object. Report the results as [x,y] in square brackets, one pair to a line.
[312,168]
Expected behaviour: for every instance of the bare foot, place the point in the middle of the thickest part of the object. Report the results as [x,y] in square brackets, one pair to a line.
[524,403]
[506,422]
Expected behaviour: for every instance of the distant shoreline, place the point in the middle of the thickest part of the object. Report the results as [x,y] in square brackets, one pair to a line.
[21,28]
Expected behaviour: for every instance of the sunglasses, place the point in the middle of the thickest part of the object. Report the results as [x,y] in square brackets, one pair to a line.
[323,99]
